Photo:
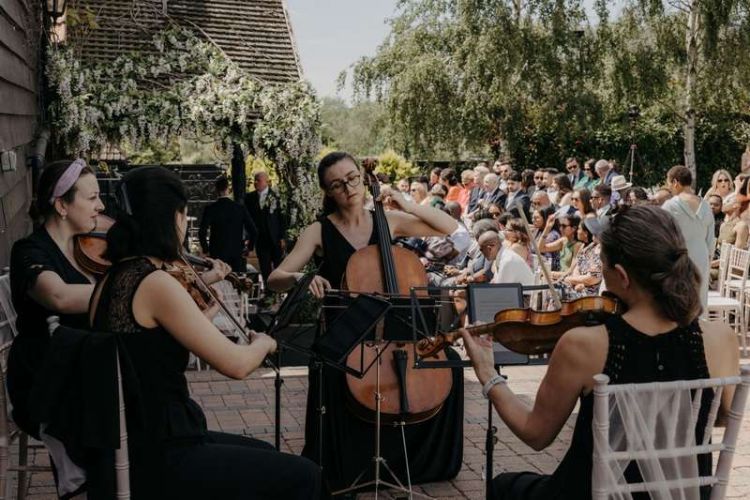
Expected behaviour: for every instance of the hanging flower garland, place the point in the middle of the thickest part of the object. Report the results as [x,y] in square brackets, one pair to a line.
[187,86]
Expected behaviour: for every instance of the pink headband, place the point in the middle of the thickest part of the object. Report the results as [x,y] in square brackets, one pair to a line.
[68,179]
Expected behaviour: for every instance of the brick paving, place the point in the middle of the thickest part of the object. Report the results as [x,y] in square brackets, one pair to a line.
[247,407]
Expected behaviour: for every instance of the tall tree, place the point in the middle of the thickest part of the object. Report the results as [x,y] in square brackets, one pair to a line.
[546,79]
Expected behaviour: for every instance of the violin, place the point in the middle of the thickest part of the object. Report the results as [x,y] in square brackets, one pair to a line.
[526,331]
[89,248]
[411,395]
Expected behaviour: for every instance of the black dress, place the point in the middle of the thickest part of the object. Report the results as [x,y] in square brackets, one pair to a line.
[435,447]
[632,357]
[172,454]
[29,258]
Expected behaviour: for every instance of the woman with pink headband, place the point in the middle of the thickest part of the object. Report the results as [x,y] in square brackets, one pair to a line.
[44,276]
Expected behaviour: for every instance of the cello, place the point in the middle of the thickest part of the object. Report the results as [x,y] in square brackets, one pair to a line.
[406,394]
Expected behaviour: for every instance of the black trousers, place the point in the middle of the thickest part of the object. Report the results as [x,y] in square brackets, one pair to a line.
[233,467]
[269,256]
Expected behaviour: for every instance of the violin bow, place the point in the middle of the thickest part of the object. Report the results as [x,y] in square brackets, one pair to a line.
[542,263]
[225,309]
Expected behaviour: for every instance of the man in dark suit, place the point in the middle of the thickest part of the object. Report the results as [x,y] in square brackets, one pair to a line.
[516,195]
[574,170]
[229,225]
[264,206]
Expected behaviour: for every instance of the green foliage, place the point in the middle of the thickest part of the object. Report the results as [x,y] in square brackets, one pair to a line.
[187,87]
[546,82]
[396,166]
[359,129]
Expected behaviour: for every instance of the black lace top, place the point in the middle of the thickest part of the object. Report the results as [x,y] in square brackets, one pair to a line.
[158,360]
[633,357]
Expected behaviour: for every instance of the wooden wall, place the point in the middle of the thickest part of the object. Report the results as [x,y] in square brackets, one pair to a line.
[19,36]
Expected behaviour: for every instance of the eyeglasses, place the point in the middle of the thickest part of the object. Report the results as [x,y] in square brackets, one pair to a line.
[338,186]
[723,180]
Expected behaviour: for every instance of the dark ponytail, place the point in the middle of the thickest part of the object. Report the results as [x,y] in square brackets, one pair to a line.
[149,199]
[656,259]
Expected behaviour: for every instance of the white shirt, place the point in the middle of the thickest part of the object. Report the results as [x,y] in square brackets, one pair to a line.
[262,196]
[509,267]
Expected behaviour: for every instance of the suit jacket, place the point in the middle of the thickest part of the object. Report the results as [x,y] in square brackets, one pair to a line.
[226,220]
[511,203]
[497,195]
[575,178]
[268,219]
[474,197]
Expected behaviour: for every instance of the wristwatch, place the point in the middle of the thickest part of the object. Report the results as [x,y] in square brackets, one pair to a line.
[497,379]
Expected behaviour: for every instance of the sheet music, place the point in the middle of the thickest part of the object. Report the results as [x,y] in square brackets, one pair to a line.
[484,302]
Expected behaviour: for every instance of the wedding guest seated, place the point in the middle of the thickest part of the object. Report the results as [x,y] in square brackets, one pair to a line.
[581,200]
[539,219]
[586,275]
[716,203]
[563,188]
[567,244]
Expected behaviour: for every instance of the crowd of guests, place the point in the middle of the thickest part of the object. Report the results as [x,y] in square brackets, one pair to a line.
[565,209]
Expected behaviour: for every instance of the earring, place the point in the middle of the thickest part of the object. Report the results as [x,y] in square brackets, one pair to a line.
[64,216]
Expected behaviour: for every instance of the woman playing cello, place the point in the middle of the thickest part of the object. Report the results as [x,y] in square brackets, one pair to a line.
[345,227]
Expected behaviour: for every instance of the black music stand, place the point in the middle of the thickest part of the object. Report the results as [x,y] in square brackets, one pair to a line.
[483,302]
[291,304]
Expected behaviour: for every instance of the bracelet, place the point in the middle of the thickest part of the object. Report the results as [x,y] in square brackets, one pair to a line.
[487,387]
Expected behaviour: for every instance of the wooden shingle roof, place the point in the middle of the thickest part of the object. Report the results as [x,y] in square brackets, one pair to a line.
[256,34]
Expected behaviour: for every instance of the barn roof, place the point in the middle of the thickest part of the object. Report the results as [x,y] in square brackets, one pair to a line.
[256,34]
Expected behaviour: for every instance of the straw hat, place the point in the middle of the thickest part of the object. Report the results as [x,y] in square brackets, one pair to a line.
[619,182]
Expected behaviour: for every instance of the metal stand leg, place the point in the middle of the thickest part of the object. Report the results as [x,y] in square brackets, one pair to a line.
[378,460]
[318,365]
[278,382]
[489,450]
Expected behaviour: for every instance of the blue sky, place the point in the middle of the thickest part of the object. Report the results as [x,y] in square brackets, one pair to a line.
[332,34]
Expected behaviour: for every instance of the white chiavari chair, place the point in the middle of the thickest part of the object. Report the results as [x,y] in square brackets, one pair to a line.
[730,306]
[9,432]
[654,424]
[724,252]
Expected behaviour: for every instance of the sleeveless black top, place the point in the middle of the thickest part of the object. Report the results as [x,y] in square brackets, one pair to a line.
[632,357]
[336,251]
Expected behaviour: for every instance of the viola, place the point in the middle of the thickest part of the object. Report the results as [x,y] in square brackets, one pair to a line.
[189,280]
[526,331]
[89,248]
[238,281]
[420,393]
